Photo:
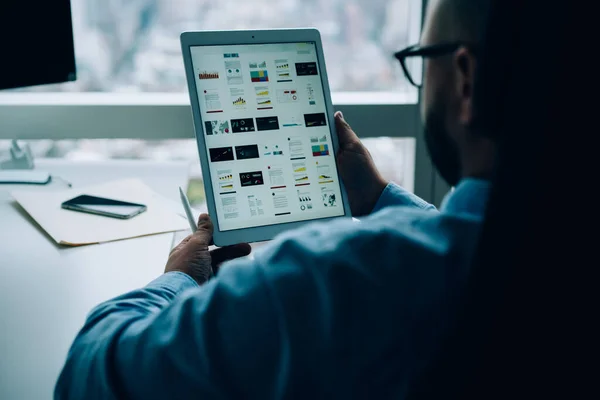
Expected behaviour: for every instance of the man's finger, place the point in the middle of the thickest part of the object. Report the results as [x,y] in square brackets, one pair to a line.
[345,133]
[223,254]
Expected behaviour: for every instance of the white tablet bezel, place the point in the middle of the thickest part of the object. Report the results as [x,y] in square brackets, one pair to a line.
[242,37]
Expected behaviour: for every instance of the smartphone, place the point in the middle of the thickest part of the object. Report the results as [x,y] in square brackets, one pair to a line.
[102,206]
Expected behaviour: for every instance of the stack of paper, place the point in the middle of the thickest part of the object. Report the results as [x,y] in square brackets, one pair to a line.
[72,228]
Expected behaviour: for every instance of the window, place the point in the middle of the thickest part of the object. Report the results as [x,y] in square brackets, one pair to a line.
[131,48]
[133,45]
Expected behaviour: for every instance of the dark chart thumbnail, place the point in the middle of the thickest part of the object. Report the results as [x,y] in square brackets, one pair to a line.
[251,178]
[307,68]
[312,120]
[221,154]
[267,123]
[242,125]
[246,152]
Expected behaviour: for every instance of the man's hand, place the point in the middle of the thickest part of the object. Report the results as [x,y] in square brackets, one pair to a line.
[193,258]
[363,182]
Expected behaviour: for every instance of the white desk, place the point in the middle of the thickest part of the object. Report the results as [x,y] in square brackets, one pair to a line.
[46,291]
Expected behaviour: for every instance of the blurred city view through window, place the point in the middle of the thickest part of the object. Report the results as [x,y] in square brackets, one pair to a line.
[133,46]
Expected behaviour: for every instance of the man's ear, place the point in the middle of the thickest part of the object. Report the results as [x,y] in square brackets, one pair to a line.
[465,64]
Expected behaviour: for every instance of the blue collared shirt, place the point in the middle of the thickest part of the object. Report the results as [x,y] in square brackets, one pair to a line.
[343,309]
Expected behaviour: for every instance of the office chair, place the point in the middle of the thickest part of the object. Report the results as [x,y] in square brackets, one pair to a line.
[527,325]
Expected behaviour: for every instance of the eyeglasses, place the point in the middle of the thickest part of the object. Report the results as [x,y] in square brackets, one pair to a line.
[412,57]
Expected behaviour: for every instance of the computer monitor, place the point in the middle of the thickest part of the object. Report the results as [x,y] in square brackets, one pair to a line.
[36,43]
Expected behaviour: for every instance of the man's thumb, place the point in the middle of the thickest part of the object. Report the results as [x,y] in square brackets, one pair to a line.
[344,131]
[205,229]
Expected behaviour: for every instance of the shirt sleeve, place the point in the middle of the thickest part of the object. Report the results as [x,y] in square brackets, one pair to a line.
[173,339]
[395,195]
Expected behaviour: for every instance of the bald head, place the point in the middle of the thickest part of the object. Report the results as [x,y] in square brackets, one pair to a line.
[458,20]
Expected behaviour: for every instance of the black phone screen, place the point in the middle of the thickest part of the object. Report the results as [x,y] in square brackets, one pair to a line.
[104,206]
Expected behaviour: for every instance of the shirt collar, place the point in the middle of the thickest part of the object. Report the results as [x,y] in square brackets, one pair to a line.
[469,196]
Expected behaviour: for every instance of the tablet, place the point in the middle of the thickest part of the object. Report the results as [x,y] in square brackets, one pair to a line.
[265,131]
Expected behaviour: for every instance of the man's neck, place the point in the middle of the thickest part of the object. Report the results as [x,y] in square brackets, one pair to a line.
[479,159]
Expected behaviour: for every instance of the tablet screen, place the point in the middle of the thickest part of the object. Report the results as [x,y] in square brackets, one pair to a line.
[267,134]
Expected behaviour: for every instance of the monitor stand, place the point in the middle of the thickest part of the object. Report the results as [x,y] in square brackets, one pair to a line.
[20,169]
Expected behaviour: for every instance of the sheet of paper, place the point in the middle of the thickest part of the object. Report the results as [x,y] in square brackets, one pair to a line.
[74,228]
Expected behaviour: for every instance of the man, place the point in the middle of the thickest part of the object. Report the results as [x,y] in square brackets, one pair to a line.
[339,310]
